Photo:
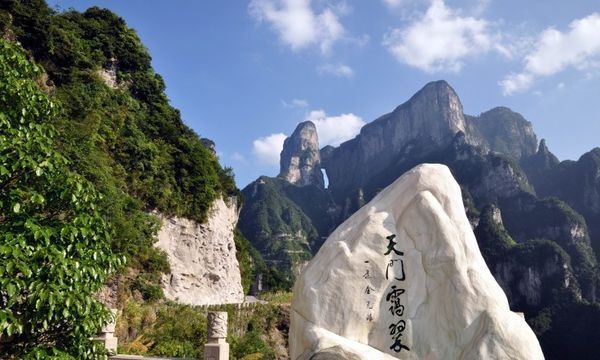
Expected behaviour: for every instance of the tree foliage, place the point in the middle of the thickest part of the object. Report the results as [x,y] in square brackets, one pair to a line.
[54,240]
[127,140]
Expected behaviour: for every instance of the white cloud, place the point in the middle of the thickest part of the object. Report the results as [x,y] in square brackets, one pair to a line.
[340,70]
[440,40]
[334,130]
[295,103]
[267,149]
[298,24]
[555,51]
[393,3]
[516,82]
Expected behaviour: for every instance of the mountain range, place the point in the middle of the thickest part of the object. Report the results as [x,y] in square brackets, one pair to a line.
[536,218]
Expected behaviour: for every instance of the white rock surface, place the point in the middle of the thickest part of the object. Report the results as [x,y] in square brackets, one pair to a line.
[204,269]
[454,309]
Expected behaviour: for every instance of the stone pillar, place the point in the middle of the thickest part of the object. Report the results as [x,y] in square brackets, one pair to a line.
[107,334]
[217,347]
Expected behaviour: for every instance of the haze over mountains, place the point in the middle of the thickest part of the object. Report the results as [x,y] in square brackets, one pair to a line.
[535,218]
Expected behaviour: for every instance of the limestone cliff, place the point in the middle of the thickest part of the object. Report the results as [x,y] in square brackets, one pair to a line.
[505,131]
[419,129]
[429,120]
[300,159]
[204,268]
[532,273]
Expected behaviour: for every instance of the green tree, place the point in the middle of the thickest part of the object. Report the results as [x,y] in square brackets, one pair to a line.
[54,241]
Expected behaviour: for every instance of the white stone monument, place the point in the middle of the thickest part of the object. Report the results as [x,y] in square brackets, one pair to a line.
[403,278]
[217,347]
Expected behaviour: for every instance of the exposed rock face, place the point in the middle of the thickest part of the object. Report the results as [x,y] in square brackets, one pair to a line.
[348,299]
[531,273]
[554,220]
[417,129]
[209,144]
[300,159]
[204,268]
[109,74]
[429,120]
[529,286]
[500,179]
[507,132]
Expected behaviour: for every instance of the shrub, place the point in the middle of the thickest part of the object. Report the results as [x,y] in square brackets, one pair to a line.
[54,240]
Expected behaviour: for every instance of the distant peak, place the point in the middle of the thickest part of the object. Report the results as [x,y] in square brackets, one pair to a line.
[439,90]
[300,158]
[438,86]
[499,110]
[305,124]
[543,148]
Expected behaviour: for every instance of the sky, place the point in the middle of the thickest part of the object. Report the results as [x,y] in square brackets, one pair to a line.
[245,73]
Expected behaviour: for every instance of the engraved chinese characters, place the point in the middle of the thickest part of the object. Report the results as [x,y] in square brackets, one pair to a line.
[394,296]
[449,303]
[369,291]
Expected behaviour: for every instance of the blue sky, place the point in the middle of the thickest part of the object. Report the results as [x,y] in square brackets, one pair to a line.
[244,73]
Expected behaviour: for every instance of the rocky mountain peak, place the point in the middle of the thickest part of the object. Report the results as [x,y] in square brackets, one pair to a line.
[507,132]
[300,161]
[543,148]
[438,109]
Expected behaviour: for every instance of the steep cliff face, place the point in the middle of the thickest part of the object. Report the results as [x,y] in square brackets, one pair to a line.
[531,273]
[427,121]
[538,166]
[505,131]
[527,217]
[204,268]
[575,182]
[300,160]
[417,131]
[499,179]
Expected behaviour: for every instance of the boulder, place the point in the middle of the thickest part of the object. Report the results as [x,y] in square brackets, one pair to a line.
[404,278]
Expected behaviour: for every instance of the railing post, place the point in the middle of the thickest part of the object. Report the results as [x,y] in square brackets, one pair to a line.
[107,334]
[217,347]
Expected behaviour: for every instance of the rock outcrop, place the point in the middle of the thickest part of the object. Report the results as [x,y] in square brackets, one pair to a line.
[204,268]
[404,278]
[420,128]
[108,74]
[505,131]
[428,121]
[532,273]
[300,159]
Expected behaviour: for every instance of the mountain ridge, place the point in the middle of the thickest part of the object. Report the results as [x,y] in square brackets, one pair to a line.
[497,160]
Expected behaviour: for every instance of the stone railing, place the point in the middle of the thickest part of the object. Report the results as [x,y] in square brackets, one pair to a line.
[216,348]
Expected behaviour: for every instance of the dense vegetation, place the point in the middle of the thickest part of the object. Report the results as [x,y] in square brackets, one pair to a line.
[91,148]
[279,228]
[255,332]
[54,240]
[124,136]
